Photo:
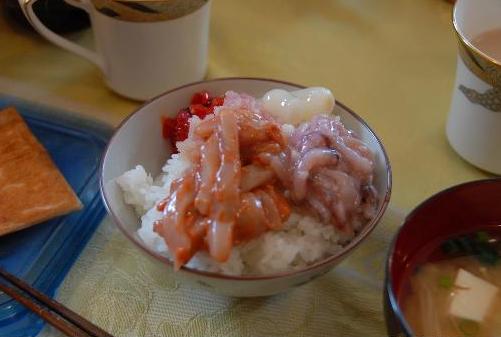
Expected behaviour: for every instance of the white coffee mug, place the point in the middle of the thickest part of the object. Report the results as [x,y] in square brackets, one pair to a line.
[140,59]
[474,123]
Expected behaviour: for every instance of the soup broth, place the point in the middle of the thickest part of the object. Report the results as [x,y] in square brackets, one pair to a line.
[457,291]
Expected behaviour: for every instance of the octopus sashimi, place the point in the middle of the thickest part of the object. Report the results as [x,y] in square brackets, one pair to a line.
[327,168]
[247,177]
[261,210]
[254,176]
[178,219]
[229,196]
[209,165]
[226,189]
[251,219]
[316,157]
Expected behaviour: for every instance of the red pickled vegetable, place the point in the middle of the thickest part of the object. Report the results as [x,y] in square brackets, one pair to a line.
[176,129]
[199,110]
[216,101]
[168,125]
[182,126]
[201,97]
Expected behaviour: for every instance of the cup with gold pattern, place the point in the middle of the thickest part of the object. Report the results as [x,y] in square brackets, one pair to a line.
[474,123]
[143,47]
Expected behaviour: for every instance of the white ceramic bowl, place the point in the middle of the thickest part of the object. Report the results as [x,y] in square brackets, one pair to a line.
[138,140]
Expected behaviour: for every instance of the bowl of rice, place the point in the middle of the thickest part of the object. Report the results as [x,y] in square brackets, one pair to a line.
[245,186]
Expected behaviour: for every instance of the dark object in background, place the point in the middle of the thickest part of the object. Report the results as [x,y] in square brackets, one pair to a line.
[57,15]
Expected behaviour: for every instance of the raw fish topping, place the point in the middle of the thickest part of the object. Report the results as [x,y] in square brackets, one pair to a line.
[247,173]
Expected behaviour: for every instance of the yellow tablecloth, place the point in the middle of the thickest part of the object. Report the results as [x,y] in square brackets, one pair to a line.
[132,296]
[392,61]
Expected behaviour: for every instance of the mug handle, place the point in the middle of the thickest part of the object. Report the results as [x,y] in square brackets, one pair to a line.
[92,56]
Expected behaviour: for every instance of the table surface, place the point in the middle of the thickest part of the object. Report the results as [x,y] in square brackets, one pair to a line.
[392,61]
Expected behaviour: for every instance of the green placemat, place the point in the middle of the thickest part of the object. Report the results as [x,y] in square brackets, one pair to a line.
[119,288]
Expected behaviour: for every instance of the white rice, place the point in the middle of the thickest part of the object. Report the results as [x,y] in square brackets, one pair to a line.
[301,242]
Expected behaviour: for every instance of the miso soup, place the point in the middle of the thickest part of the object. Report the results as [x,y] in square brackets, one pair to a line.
[456,290]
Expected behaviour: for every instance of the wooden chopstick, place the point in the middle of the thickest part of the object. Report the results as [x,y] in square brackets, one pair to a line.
[54,320]
[53,312]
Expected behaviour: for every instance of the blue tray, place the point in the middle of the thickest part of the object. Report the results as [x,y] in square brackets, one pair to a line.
[43,254]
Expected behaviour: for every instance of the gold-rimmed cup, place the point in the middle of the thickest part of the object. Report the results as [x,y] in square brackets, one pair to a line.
[474,123]
[147,10]
[142,48]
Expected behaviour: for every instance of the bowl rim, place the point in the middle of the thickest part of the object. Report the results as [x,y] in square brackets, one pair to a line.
[319,264]
[397,311]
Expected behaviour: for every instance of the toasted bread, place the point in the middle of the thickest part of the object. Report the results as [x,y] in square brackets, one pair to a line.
[32,189]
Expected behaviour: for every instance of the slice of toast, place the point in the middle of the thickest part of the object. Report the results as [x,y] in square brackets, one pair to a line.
[31,187]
